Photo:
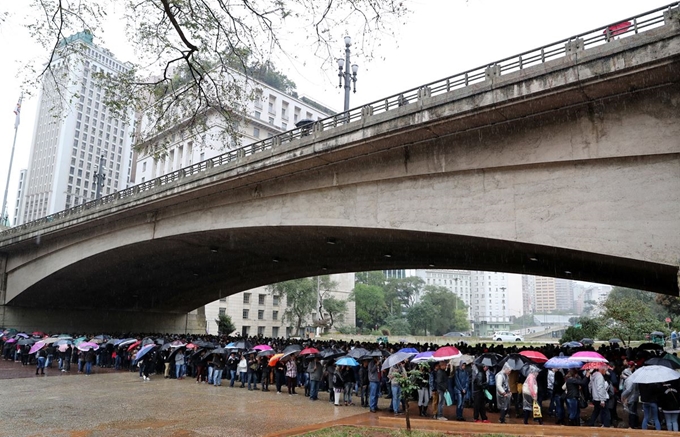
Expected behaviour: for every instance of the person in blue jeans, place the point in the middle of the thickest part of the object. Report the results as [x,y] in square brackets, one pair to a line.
[461,384]
[395,371]
[218,368]
[649,395]
[373,384]
[179,362]
[232,363]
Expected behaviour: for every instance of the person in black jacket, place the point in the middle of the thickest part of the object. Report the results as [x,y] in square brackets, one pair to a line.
[479,383]
[558,395]
[575,387]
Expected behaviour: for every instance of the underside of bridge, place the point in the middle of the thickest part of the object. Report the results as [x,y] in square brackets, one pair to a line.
[178,274]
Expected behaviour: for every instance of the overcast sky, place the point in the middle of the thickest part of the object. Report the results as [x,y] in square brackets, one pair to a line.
[440,38]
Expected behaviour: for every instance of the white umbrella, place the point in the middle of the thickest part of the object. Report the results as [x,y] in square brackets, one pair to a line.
[396,358]
[653,374]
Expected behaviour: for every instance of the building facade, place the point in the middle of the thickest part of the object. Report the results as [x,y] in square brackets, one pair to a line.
[70,140]
[564,294]
[528,294]
[259,312]
[457,281]
[269,113]
[546,295]
[490,302]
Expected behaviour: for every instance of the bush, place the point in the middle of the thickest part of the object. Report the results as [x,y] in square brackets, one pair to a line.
[347,330]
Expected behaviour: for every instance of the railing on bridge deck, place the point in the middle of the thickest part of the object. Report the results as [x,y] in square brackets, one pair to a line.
[599,36]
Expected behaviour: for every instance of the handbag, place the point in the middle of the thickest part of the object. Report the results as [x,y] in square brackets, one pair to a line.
[582,402]
[488,394]
[447,398]
[537,411]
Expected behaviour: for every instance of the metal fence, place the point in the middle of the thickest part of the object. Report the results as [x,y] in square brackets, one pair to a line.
[601,35]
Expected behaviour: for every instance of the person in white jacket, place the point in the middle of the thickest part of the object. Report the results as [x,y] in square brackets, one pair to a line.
[599,393]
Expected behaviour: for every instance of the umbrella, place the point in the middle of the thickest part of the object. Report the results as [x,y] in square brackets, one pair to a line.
[374,354]
[63,347]
[357,352]
[112,341]
[275,359]
[79,340]
[653,374]
[562,363]
[177,343]
[22,335]
[86,346]
[396,358]
[50,340]
[11,340]
[38,334]
[125,342]
[309,351]
[572,344]
[615,340]
[61,341]
[488,359]
[595,365]
[445,353]
[263,347]
[250,352]
[148,340]
[244,345]
[219,350]
[347,361]
[672,357]
[516,361]
[266,353]
[423,356]
[467,359]
[535,356]
[655,361]
[410,350]
[191,346]
[65,336]
[650,346]
[25,341]
[617,29]
[588,357]
[587,341]
[134,345]
[289,354]
[36,347]
[331,353]
[292,348]
[145,349]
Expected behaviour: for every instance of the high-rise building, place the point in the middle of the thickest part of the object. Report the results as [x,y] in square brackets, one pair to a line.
[490,302]
[528,294]
[457,281]
[564,294]
[20,195]
[546,300]
[259,312]
[71,139]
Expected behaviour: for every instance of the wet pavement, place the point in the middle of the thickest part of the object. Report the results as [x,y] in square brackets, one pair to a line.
[117,403]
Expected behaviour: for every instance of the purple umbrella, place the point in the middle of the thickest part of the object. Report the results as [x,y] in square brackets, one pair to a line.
[423,356]
[11,340]
[36,347]
[144,350]
[86,345]
[562,363]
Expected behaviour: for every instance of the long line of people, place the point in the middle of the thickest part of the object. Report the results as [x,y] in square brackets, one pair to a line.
[446,389]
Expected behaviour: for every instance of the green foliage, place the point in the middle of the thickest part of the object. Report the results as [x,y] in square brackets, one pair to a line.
[402,293]
[409,384]
[347,330]
[450,311]
[334,307]
[589,329]
[376,278]
[225,326]
[370,308]
[671,304]
[301,299]
[420,317]
[629,315]
[397,325]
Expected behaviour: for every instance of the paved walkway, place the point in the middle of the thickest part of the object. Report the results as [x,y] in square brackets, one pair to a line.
[112,403]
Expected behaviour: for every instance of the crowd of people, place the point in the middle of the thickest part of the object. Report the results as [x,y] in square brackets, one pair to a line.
[492,377]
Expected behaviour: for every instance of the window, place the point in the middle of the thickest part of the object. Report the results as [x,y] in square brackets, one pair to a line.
[275,315]
[258,114]
[261,299]
[260,331]
[275,301]
[222,311]
[260,315]
[223,299]
[256,132]
[144,166]
[275,331]
[246,297]
[245,314]
[271,120]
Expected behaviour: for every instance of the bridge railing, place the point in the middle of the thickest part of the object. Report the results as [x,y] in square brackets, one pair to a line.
[599,36]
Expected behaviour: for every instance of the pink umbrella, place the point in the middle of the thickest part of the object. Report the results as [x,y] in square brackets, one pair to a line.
[588,357]
[446,353]
[11,340]
[86,345]
[262,347]
[36,347]
[62,347]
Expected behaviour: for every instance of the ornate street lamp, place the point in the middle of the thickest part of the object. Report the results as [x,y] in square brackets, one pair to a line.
[349,77]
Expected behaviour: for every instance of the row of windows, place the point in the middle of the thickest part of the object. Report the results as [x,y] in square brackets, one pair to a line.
[261,299]
[260,314]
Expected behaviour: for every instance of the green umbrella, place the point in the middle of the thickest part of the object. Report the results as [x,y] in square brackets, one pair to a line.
[672,357]
[79,340]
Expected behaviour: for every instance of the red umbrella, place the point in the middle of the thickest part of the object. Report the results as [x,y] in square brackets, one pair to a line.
[134,345]
[618,28]
[309,351]
[191,346]
[445,353]
[595,365]
[535,356]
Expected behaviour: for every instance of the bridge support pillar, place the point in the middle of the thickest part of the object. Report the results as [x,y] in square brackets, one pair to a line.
[74,320]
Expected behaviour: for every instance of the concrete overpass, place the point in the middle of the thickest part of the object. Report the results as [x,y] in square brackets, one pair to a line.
[563,161]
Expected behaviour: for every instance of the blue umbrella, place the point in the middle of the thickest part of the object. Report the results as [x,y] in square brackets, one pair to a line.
[409,350]
[562,363]
[423,356]
[572,344]
[144,350]
[347,361]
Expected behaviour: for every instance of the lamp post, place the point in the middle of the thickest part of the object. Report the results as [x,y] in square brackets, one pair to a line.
[344,72]
[99,178]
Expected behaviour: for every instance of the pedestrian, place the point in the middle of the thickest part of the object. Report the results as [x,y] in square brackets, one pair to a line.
[315,370]
[364,383]
[218,368]
[373,384]
[423,383]
[479,384]
[574,385]
[558,395]
[674,339]
[629,398]
[252,372]
[89,361]
[669,401]
[179,362]
[461,386]
[503,394]
[338,385]
[649,396]
[232,364]
[348,377]
[441,384]
[263,371]
[40,362]
[599,393]
[242,369]
[530,395]
[291,375]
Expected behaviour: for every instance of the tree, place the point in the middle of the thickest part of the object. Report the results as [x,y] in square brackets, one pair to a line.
[628,315]
[398,325]
[301,298]
[370,308]
[224,324]
[409,385]
[450,311]
[186,47]
[589,329]
[420,317]
[370,278]
[671,304]
[334,307]
[402,293]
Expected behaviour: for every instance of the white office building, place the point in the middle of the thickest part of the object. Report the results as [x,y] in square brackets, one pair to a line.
[70,139]
[490,302]
[457,281]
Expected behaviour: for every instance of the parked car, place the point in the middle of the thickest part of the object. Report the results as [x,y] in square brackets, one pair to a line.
[506,336]
[455,334]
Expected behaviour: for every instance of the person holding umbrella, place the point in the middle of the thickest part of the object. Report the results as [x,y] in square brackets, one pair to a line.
[479,383]
[373,384]
[397,369]
[232,364]
[441,384]
[599,393]
[530,394]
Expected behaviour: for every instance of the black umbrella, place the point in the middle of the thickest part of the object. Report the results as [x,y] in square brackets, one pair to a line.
[516,361]
[357,352]
[219,350]
[165,347]
[292,348]
[242,345]
[615,340]
[650,346]
[174,352]
[267,353]
[658,361]
[330,353]
[588,341]
[250,352]
[487,359]
[26,341]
